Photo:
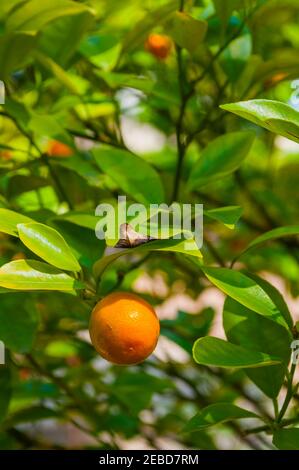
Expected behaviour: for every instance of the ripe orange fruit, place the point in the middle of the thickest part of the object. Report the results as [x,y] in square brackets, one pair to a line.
[159,45]
[59,149]
[124,328]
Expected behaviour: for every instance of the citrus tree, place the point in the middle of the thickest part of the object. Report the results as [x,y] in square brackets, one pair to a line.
[162,101]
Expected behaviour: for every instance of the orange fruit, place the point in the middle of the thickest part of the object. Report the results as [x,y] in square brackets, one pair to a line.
[24,374]
[124,328]
[59,149]
[5,154]
[159,45]
[272,81]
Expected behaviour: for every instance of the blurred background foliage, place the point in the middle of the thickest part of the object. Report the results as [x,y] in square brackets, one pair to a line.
[77,72]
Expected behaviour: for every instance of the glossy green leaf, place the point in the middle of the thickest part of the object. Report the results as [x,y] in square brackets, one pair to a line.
[275,296]
[9,221]
[274,116]
[18,321]
[220,158]
[187,31]
[246,291]
[49,245]
[174,245]
[229,215]
[5,390]
[286,439]
[280,232]
[132,174]
[83,242]
[216,352]
[35,275]
[34,15]
[217,414]
[246,328]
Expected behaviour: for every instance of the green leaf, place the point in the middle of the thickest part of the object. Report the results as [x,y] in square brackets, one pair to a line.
[274,116]
[228,215]
[280,232]
[216,414]
[186,31]
[153,18]
[121,80]
[275,296]
[246,328]
[49,245]
[18,321]
[5,391]
[58,72]
[246,291]
[220,158]
[15,48]
[186,327]
[35,275]
[210,351]
[34,15]
[60,39]
[82,219]
[133,174]
[83,242]
[9,221]
[224,9]
[82,167]
[286,439]
[174,245]
[31,414]
[236,56]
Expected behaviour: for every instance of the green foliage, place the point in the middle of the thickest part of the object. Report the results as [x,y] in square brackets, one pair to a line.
[286,439]
[220,158]
[216,414]
[272,115]
[211,123]
[212,351]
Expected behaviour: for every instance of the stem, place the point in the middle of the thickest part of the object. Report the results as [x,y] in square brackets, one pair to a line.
[289,395]
[59,187]
[275,406]
[179,126]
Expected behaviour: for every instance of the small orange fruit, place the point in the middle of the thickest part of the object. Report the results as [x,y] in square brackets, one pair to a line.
[24,374]
[275,79]
[59,149]
[158,45]
[5,154]
[124,328]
